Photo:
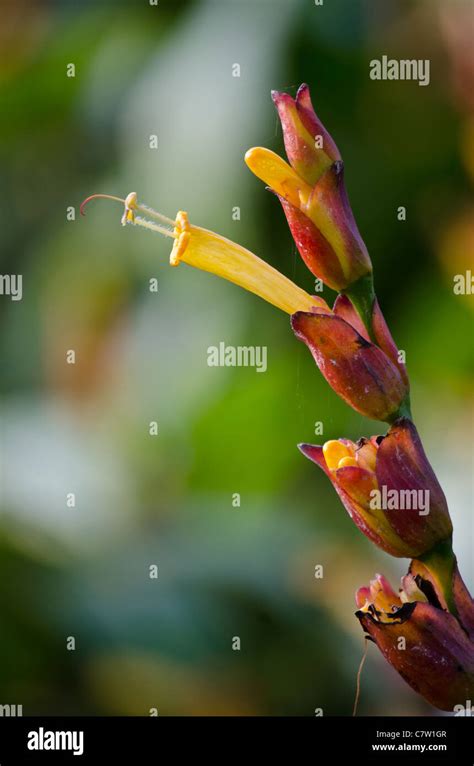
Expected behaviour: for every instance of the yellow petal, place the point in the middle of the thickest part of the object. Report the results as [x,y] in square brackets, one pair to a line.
[280,176]
[347,461]
[334,451]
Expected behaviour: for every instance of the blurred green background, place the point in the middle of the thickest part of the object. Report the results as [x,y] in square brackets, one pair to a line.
[140,356]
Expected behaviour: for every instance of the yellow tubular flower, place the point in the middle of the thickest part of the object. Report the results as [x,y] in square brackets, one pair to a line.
[210,252]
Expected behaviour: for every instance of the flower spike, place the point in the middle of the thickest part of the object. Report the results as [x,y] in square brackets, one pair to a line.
[385,482]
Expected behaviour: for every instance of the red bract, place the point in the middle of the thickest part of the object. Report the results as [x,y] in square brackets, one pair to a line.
[326,233]
[367,376]
[403,468]
[382,336]
[314,249]
[309,147]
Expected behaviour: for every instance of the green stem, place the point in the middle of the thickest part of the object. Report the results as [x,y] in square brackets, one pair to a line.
[362,295]
[404,411]
[441,562]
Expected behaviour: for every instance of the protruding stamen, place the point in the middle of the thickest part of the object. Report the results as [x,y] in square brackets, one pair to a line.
[130,207]
[153,214]
[139,221]
[99,196]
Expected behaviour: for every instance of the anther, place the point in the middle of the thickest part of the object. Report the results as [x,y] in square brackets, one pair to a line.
[182,233]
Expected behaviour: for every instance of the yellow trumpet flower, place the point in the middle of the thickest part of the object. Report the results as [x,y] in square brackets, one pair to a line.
[218,255]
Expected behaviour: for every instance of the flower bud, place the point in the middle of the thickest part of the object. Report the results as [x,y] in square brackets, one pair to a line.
[320,218]
[358,370]
[309,147]
[426,644]
[388,488]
